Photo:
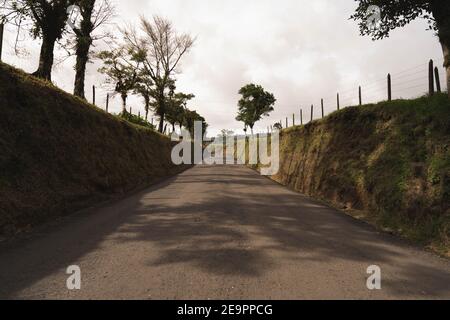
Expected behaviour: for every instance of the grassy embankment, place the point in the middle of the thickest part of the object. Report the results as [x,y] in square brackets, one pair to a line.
[387,163]
[59,154]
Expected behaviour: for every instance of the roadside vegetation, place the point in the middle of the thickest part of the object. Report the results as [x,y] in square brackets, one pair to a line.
[61,154]
[386,163]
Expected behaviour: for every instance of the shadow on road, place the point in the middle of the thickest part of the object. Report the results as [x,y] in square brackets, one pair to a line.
[225,221]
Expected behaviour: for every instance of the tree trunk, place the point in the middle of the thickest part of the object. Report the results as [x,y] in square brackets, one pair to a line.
[161,123]
[124,103]
[146,111]
[83,46]
[46,58]
[441,12]
[446,51]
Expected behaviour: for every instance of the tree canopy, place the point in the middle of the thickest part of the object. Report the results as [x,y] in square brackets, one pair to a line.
[254,104]
[398,13]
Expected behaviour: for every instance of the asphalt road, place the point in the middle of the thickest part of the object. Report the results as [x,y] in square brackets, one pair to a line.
[217,232]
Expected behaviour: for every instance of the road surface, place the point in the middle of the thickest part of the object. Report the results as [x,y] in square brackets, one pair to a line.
[217,232]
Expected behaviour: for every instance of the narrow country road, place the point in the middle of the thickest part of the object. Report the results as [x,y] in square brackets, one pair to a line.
[217,232]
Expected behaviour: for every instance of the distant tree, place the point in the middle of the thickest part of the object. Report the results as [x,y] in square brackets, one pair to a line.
[176,108]
[164,48]
[254,104]
[121,68]
[48,21]
[144,87]
[94,14]
[278,126]
[226,133]
[395,14]
[189,121]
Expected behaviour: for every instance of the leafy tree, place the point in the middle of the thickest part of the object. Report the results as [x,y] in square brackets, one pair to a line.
[144,87]
[177,108]
[164,48]
[48,21]
[94,14]
[121,68]
[398,13]
[254,104]
[278,126]
[190,117]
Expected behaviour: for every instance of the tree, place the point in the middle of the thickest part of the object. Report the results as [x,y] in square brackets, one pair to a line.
[144,88]
[254,104]
[94,13]
[48,21]
[164,49]
[176,108]
[121,68]
[395,14]
[224,133]
[278,126]
[190,118]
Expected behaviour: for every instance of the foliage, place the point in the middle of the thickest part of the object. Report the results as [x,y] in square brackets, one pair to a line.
[121,68]
[161,49]
[278,126]
[176,107]
[190,118]
[136,120]
[398,13]
[254,104]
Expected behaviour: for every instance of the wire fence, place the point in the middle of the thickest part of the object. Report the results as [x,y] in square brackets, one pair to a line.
[425,76]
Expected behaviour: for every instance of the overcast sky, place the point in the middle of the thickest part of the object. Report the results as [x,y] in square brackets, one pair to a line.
[299,50]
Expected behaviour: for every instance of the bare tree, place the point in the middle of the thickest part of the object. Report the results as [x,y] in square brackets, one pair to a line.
[164,49]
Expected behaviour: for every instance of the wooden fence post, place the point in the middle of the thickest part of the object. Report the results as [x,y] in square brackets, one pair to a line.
[438,80]
[93,95]
[389,83]
[287,124]
[431,77]
[293,119]
[323,111]
[2,27]
[312,113]
[338,102]
[360,95]
[301,116]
